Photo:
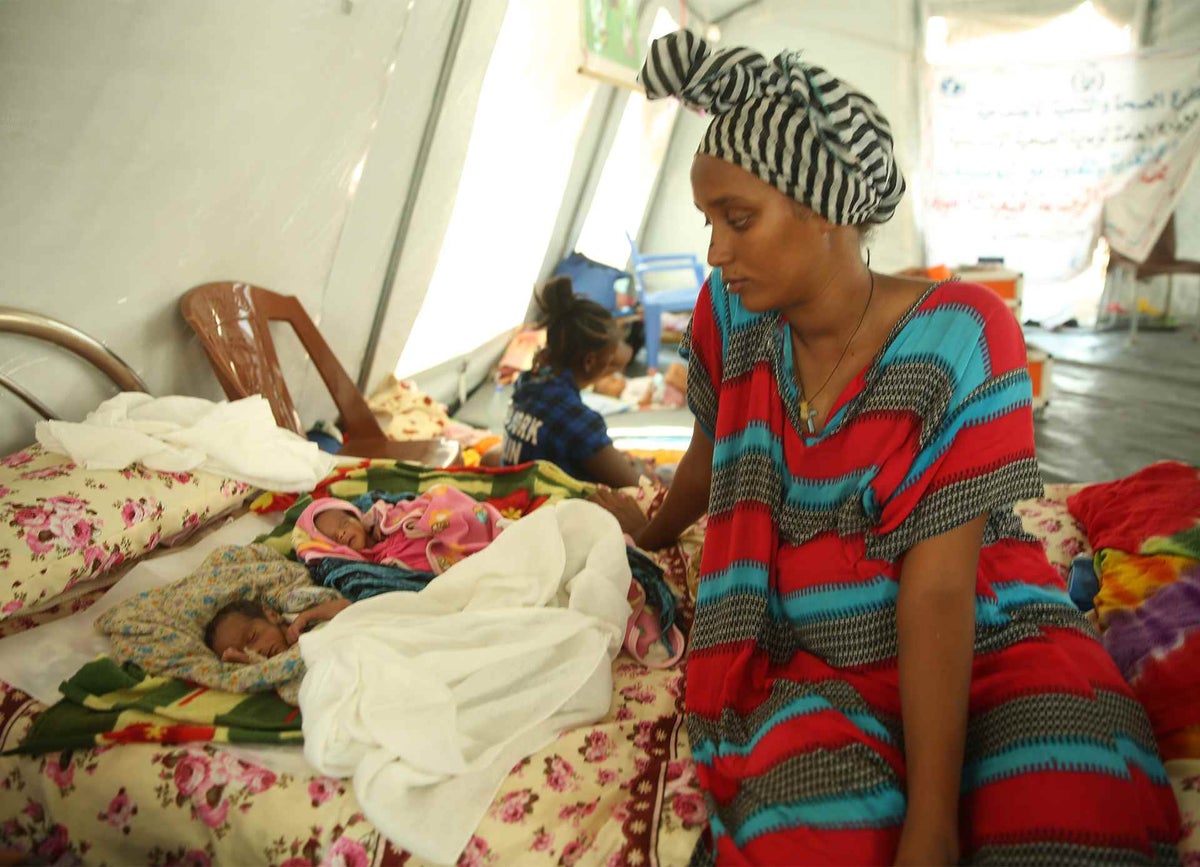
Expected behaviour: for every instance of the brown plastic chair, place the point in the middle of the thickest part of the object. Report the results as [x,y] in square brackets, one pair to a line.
[232,322]
[1160,262]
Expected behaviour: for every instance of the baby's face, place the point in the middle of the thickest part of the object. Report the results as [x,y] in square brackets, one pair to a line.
[343,528]
[263,635]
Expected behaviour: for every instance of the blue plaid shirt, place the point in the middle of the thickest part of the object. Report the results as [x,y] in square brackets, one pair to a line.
[549,421]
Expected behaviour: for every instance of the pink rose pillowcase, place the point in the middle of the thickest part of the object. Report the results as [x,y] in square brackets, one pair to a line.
[62,526]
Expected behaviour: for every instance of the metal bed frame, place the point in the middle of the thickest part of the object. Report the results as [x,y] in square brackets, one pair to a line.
[16,321]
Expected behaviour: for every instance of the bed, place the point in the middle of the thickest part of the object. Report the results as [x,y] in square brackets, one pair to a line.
[621,791]
[621,788]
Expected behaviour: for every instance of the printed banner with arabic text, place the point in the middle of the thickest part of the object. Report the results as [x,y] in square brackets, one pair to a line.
[1021,159]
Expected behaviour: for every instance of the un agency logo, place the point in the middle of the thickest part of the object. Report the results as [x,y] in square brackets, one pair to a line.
[951,86]
[1089,79]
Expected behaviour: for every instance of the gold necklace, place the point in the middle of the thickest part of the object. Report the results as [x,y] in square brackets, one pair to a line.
[807,412]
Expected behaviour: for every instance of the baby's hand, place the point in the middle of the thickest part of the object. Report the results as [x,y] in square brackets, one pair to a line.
[243,656]
[324,611]
[235,654]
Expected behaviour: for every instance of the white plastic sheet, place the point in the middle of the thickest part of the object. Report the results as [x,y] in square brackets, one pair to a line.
[147,147]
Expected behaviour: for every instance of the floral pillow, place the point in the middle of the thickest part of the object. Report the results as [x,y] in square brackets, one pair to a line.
[1050,520]
[61,525]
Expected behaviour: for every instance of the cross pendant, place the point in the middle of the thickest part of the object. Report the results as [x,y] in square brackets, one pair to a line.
[808,414]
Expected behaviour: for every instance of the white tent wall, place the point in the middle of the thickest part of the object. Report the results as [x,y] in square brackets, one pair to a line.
[469,365]
[453,379]
[484,261]
[591,159]
[472,258]
[870,43]
[151,145]
[360,266]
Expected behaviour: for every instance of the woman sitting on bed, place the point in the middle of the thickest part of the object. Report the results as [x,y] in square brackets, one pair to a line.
[884,668]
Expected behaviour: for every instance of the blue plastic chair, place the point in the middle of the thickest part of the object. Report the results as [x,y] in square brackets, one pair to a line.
[654,304]
[596,281]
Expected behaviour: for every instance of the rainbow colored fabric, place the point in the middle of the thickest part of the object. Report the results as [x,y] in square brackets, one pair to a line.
[1145,530]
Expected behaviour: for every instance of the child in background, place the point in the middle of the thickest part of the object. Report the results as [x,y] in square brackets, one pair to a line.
[548,419]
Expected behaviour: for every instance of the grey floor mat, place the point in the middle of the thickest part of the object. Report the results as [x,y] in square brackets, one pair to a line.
[1117,406]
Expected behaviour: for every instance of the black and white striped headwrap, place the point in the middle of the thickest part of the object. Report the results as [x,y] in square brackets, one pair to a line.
[790,123]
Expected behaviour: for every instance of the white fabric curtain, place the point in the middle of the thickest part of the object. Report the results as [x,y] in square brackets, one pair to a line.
[971,19]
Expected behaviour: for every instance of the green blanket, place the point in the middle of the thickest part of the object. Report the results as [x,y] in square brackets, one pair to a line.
[108,704]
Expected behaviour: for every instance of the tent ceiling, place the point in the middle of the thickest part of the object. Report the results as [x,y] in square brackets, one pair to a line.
[717,10]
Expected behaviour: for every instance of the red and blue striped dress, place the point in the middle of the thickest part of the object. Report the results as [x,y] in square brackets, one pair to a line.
[792,685]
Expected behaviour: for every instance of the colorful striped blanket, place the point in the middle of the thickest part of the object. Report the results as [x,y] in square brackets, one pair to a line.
[515,491]
[106,704]
[1145,531]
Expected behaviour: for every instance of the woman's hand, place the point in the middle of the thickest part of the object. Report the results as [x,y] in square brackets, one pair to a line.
[925,845]
[624,508]
[324,611]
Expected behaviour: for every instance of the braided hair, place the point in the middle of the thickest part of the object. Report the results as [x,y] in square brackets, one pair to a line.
[575,325]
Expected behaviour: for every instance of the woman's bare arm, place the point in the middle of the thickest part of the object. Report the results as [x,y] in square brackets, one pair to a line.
[935,623]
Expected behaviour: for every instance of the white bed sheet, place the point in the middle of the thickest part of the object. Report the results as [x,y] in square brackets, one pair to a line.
[37,660]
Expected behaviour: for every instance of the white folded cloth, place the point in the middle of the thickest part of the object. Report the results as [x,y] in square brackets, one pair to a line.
[239,440]
[429,699]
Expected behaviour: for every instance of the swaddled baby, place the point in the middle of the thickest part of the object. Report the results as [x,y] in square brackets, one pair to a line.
[428,534]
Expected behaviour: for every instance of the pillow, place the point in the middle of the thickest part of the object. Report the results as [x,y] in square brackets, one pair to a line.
[1051,522]
[404,412]
[520,352]
[61,525]
[162,630]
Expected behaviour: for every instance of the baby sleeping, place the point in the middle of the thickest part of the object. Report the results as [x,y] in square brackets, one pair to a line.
[429,533]
[249,632]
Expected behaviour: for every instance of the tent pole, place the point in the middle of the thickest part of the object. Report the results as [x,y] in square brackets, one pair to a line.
[920,11]
[591,176]
[414,188]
